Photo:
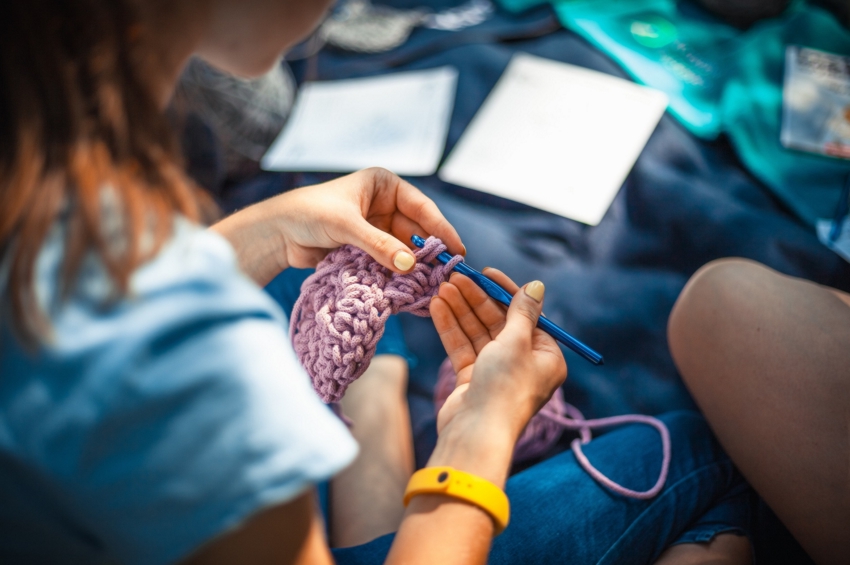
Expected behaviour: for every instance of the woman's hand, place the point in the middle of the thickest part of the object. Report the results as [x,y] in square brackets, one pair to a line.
[507,369]
[372,209]
[504,364]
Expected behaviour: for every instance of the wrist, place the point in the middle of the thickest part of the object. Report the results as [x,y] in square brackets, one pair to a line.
[476,443]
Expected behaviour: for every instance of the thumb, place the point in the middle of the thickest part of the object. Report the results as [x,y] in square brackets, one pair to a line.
[524,310]
[383,247]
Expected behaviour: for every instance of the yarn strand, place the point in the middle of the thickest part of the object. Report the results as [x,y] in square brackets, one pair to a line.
[577,422]
[546,427]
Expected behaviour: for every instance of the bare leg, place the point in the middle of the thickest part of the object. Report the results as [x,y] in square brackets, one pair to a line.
[767,358]
[366,498]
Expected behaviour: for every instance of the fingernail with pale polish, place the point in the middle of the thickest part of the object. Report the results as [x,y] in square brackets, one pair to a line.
[404,261]
[464,250]
[535,290]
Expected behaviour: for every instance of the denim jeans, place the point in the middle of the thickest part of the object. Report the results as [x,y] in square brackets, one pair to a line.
[559,514]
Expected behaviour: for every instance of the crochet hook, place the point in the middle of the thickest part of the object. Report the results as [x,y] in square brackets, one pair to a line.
[502,296]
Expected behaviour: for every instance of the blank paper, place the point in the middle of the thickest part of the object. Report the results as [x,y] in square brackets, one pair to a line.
[557,137]
[396,121]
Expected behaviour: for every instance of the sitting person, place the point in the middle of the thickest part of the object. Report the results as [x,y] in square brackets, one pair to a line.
[766,358]
[152,409]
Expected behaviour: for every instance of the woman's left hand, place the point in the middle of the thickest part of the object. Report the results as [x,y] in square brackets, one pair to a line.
[372,209]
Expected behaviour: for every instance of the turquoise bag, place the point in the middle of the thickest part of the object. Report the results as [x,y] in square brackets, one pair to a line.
[720,80]
[808,183]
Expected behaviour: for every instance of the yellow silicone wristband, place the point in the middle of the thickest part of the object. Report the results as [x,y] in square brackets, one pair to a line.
[463,486]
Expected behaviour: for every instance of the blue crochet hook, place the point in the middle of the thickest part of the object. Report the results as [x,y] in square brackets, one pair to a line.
[502,296]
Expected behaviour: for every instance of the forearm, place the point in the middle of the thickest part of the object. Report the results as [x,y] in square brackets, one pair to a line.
[259,242]
[440,529]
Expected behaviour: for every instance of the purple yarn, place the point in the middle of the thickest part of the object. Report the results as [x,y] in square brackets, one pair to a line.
[545,428]
[343,308]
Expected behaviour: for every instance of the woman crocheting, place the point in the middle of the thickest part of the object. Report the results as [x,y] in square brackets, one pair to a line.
[152,409]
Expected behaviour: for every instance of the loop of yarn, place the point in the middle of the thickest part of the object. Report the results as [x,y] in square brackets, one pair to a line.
[343,308]
[545,428]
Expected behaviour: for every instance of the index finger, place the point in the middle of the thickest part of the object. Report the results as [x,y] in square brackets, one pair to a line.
[421,210]
[454,339]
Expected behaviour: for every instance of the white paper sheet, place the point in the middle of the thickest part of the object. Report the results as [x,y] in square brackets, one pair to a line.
[557,137]
[397,121]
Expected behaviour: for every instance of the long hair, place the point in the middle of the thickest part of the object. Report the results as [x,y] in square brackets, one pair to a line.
[78,117]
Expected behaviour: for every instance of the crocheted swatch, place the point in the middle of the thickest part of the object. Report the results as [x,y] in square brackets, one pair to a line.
[343,308]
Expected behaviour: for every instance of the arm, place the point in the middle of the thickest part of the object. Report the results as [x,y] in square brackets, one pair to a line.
[439,529]
[506,370]
[372,209]
[291,533]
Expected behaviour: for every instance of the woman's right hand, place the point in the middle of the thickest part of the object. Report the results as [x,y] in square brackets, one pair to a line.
[507,369]
[505,366]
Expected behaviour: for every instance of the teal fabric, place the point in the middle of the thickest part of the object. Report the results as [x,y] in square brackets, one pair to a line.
[720,80]
[809,184]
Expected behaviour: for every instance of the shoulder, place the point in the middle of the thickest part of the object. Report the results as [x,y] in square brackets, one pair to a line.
[191,286]
[173,414]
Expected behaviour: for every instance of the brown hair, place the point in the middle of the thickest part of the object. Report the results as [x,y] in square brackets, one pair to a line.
[77,117]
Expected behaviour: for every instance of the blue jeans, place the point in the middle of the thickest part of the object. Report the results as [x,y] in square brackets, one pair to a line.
[561,515]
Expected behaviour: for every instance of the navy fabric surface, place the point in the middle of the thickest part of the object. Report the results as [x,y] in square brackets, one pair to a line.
[685,203]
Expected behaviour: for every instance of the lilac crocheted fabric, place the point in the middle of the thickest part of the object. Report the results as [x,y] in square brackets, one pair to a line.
[343,309]
[541,433]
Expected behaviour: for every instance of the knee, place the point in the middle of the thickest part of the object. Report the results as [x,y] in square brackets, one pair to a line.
[715,297]
[713,286]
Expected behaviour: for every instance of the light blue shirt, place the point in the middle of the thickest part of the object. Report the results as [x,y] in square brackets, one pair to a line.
[142,430]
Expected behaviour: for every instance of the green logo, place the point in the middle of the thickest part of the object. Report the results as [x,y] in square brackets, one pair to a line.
[653,31]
